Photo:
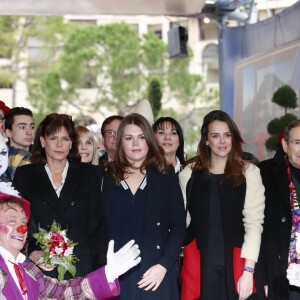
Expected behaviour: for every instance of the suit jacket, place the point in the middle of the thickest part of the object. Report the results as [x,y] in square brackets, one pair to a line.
[277,226]
[93,286]
[163,229]
[79,209]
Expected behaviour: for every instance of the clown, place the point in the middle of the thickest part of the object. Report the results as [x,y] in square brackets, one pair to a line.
[5,184]
[22,279]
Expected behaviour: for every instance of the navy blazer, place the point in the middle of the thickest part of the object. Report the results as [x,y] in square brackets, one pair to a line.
[78,209]
[163,228]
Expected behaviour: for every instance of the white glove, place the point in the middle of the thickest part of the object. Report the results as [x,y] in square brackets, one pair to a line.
[293,274]
[120,262]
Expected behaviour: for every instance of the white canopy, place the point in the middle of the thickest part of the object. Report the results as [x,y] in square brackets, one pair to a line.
[100,7]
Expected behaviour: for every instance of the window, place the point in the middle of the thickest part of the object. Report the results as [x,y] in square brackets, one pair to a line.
[157,29]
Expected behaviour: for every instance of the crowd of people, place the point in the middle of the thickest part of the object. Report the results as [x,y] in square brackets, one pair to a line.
[218,226]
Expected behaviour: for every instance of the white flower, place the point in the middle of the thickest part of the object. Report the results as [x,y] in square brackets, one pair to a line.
[69,251]
[58,250]
[47,236]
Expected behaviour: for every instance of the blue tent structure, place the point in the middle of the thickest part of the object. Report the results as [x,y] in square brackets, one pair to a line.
[254,61]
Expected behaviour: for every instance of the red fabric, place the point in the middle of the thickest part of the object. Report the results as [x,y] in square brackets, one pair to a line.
[20,277]
[238,267]
[190,273]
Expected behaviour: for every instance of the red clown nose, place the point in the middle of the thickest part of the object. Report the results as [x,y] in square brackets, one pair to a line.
[22,229]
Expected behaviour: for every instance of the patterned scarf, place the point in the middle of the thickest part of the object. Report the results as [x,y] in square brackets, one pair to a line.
[294,257]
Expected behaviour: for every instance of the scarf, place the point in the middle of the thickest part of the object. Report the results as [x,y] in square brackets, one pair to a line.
[294,257]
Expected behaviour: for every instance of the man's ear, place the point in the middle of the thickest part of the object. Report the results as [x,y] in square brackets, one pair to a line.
[8,133]
[284,145]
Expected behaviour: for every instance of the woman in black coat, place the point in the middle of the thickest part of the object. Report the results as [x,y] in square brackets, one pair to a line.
[225,200]
[143,201]
[60,188]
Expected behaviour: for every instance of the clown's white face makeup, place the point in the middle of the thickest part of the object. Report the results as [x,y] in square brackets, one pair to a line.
[3,158]
[12,216]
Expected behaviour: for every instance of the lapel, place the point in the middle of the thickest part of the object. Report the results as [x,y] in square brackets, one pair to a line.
[199,188]
[153,192]
[46,189]
[33,279]
[10,289]
[107,186]
[283,185]
[154,186]
[72,181]
[3,273]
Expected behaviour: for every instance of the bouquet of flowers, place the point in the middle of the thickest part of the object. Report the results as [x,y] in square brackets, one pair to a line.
[58,249]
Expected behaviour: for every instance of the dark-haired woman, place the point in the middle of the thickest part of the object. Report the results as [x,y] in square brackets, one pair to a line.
[169,135]
[62,189]
[143,201]
[225,198]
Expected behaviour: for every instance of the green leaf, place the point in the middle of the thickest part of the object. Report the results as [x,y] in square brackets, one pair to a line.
[61,272]
[72,270]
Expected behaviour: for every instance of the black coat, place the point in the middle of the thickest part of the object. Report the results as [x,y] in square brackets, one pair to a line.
[78,209]
[163,228]
[277,227]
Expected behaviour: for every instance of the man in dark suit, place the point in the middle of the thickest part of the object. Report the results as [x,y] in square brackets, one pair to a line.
[109,131]
[280,249]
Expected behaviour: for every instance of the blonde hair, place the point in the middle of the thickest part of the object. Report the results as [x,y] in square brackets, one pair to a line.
[84,132]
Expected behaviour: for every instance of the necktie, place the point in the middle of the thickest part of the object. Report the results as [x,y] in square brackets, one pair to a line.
[20,277]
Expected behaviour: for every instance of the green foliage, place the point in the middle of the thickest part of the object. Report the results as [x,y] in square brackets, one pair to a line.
[285,97]
[6,36]
[40,37]
[155,95]
[286,119]
[272,143]
[112,60]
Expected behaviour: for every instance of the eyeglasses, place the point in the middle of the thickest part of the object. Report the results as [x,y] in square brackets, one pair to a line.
[296,143]
[2,119]
[111,133]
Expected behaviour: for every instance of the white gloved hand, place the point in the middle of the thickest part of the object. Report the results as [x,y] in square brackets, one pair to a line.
[120,262]
[293,274]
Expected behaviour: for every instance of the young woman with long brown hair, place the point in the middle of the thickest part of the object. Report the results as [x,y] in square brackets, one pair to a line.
[226,206]
[143,201]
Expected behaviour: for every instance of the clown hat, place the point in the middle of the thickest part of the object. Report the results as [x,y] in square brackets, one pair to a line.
[26,204]
[6,109]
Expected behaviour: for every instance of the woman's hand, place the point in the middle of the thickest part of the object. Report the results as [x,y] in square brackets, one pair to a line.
[152,278]
[245,285]
[36,257]
[266,287]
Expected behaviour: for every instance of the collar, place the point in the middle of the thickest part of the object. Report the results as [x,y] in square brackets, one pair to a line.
[178,165]
[64,175]
[8,256]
